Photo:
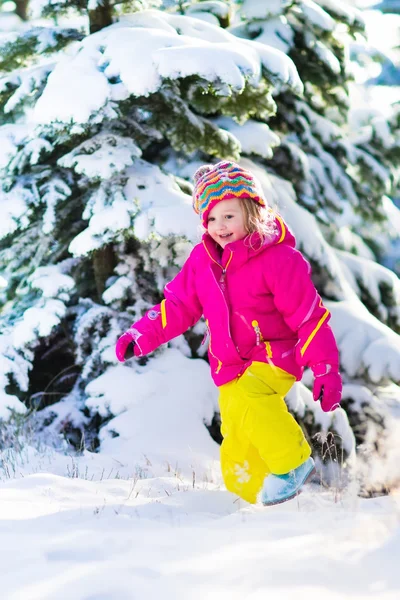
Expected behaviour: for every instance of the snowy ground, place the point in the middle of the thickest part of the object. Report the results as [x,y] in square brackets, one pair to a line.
[148,516]
[167,537]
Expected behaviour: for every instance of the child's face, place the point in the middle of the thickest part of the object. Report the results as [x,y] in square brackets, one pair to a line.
[226,222]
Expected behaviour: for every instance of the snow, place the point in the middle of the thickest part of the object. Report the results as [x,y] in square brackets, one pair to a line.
[254,138]
[216,7]
[161,46]
[372,277]
[350,13]
[51,281]
[13,210]
[365,344]
[114,539]
[38,321]
[132,395]
[52,191]
[117,289]
[328,57]
[279,67]
[164,208]
[11,136]
[86,93]
[149,515]
[12,365]
[149,195]
[275,32]
[316,15]
[258,9]
[102,156]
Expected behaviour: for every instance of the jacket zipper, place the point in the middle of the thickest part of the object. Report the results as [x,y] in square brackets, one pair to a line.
[260,339]
[221,287]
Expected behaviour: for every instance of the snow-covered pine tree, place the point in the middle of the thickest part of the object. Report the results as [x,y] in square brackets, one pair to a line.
[91,227]
[380,74]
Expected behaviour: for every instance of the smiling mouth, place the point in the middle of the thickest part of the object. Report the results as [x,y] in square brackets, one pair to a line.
[225,236]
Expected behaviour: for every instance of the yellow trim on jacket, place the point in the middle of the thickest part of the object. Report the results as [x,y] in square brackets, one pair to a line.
[163,314]
[315,331]
[283,228]
[216,262]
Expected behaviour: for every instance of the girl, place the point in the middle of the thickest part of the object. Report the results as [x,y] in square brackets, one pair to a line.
[265,322]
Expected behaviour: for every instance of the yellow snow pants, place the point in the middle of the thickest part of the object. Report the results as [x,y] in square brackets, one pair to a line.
[260,435]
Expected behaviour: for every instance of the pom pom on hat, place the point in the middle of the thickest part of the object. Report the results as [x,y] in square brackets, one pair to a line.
[202,171]
[224,181]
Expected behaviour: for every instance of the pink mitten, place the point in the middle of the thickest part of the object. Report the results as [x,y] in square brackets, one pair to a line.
[327,386]
[124,348]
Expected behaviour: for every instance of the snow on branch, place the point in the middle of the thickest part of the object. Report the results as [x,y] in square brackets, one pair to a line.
[52,192]
[109,212]
[152,197]
[14,368]
[18,49]
[25,84]
[367,347]
[39,320]
[12,137]
[254,9]
[378,286]
[138,54]
[315,15]
[102,156]
[254,137]
[53,282]
[344,12]
[14,209]
[36,323]
[364,162]
[96,331]
[20,147]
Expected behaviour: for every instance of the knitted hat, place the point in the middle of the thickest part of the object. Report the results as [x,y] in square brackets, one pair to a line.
[224,181]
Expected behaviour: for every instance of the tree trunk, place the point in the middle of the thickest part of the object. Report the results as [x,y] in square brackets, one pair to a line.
[101,16]
[103,266]
[21,9]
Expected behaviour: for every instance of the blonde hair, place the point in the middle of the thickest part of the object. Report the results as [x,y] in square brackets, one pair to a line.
[258,219]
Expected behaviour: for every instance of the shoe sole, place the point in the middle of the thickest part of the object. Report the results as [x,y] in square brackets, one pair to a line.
[311,473]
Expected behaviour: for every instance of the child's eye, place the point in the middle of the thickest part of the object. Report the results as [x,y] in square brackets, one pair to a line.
[210,219]
[229,216]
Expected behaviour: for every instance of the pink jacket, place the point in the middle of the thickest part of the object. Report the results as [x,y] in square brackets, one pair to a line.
[259,305]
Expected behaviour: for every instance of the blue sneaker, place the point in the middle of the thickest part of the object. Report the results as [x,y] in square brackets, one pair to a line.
[279,488]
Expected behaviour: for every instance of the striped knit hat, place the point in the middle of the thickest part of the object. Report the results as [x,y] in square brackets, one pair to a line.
[224,181]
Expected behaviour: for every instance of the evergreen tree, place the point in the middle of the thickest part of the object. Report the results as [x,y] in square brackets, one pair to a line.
[90,223]
[97,147]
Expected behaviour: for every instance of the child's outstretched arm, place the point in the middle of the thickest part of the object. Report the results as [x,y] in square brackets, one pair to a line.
[297,299]
[179,310]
